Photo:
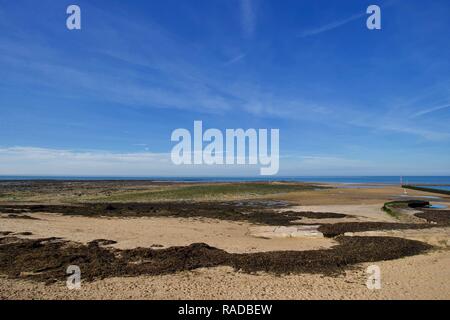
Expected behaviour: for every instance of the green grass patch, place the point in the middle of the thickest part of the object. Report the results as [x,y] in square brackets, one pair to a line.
[392,207]
[211,192]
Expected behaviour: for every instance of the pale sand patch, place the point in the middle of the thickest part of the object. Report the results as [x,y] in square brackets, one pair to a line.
[274,232]
[418,277]
[144,232]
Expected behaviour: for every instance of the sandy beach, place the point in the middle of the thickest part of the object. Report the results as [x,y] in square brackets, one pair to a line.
[413,276]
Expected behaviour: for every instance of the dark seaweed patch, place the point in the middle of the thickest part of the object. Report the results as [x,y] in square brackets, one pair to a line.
[26,233]
[441,217]
[19,216]
[336,229]
[254,212]
[101,242]
[47,259]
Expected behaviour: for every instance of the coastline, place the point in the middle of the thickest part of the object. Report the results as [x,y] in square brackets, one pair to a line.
[378,180]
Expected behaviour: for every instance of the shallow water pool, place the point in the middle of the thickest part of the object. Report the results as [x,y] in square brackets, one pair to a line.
[437,206]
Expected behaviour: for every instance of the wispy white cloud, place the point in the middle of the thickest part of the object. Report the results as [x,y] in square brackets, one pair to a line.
[235,59]
[331,161]
[248,17]
[180,85]
[431,135]
[44,161]
[327,165]
[47,161]
[430,110]
[38,154]
[400,124]
[159,77]
[66,162]
[330,26]
[397,114]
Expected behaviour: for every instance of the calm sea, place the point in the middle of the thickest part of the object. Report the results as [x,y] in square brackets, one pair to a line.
[437,180]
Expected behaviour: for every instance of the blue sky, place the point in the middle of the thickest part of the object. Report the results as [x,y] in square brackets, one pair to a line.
[104,100]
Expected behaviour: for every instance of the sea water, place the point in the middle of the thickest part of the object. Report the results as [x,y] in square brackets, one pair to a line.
[392,180]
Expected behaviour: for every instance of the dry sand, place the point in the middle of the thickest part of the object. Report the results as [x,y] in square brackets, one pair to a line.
[144,232]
